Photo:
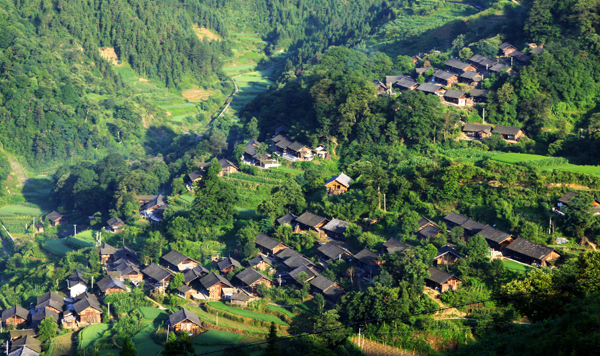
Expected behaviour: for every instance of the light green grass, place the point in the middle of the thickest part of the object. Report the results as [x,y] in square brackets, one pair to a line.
[248,314]
[91,334]
[20,209]
[186,105]
[288,169]
[154,314]
[57,247]
[217,337]
[144,343]
[187,198]
[514,266]
[81,242]
[517,157]
[594,170]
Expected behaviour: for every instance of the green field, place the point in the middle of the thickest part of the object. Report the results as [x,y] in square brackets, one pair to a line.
[187,198]
[91,334]
[516,158]
[82,243]
[514,266]
[154,314]
[248,314]
[57,247]
[217,337]
[20,209]
[594,170]
[144,343]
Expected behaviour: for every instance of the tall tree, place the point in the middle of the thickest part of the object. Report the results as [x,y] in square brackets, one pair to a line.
[272,346]
[215,199]
[128,348]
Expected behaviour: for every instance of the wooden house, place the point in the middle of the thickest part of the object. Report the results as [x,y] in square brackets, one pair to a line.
[454,219]
[56,218]
[310,272]
[251,279]
[214,284]
[154,209]
[482,62]
[331,251]
[252,157]
[380,87]
[393,245]
[405,84]
[42,314]
[195,176]
[292,259]
[109,285]
[472,227]
[106,252]
[506,49]
[338,184]
[446,255]
[479,95]
[427,228]
[300,151]
[194,274]
[76,284]
[15,316]
[50,300]
[565,199]
[239,299]
[69,319]
[495,238]
[336,229]
[428,88]
[288,218]
[470,78]
[367,261]
[509,133]
[125,253]
[498,68]
[260,263]
[268,245]
[531,253]
[124,269]
[24,343]
[327,287]
[185,321]
[309,221]
[228,264]
[280,143]
[227,167]
[186,292]
[157,276]
[520,57]
[445,78]
[441,281]
[476,131]
[455,97]
[177,261]
[88,309]
[456,66]
[24,351]
[114,224]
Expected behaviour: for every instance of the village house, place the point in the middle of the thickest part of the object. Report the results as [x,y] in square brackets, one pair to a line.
[482,62]
[109,285]
[336,229]
[428,88]
[287,219]
[124,253]
[393,245]
[537,51]
[186,292]
[292,259]
[228,264]
[520,57]
[76,284]
[321,152]
[454,219]
[338,184]
[367,261]
[260,263]
[445,78]
[565,199]
[42,314]
[456,66]
[423,71]
[471,78]
[441,281]
[472,227]
[18,333]
[252,157]
[300,151]
[310,273]
[446,255]
[185,321]
[23,351]
[309,221]
[194,274]
[179,262]
[455,97]
[380,87]
[24,343]
[506,49]
[251,279]
[327,287]
[391,80]
[154,209]
[479,95]
[114,224]
[495,238]
[427,228]
[214,284]
[157,276]
[279,143]
[106,252]
[124,269]
[509,133]
[476,131]
[239,299]
[15,316]
[56,218]
[331,251]
[88,309]
[498,68]
[531,253]
[268,245]
[281,130]
[50,300]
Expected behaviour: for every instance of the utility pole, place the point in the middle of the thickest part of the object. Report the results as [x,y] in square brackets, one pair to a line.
[167,333]
[484,115]
[359,337]
[92,282]
[75,230]
[384,203]
[550,226]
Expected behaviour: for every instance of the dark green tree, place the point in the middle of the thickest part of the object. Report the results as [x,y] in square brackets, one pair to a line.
[128,348]
[272,345]
[215,199]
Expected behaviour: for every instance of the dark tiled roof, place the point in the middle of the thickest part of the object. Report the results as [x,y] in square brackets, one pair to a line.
[530,249]
[196,174]
[506,45]
[75,279]
[54,215]
[454,63]
[125,251]
[175,257]
[278,138]
[184,289]
[226,163]
[342,179]
[27,342]
[438,276]
[228,262]
[212,278]
[454,94]
[286,253]
[366,256]
[333,292]
[250,276]
[15,310]
[429,88]
[392,79]
[20,333]
[296,146]
[286,219]
[309,271]
[493,234]
[53,297]
[567,197]
[24,351]
[114,221]
[284,143]
[471,75]
[515,54]
[473,226]
[444,75]
[537,50]
[195,273]
[429,231]
[393,245]
[106,249]
[498,67]
[88,301]
[42,314]
[455,218]
[258,259]
[109,282]
[321,283]
[297,261]
[476,58]
[406,83]
[266,241]
[156,272]
[336,226]
[281,128]
[477,128]
[479,93]
[506,130]
[310,219]
[240,296]
[184,314]
[424,221]
[332,251]
[447,249]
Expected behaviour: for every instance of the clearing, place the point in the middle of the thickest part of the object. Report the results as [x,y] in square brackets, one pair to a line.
[514,266]
[92,333]
[247,313]
[144,343]
[516,158]
[110,55]
[57,247]
[195,95]
[64,345]
[203,33]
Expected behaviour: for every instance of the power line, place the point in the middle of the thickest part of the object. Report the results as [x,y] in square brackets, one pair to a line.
[396,317]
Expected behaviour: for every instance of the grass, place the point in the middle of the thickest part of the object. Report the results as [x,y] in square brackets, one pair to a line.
[593,170]
[187,198]
[517,157]
[154,314]
[81,242]
[144,343]
[217,337]
[20,209]
[514,266]
[211,318]
[57,247]
[63,345]
[248,314]
[91,334]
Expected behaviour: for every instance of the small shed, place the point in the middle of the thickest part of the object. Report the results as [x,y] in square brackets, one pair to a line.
[56,218]
[506,49]
[260,262]
[446,255]
[185,321]
[380,86]
[228,264]
[441,281]
[239,299]
[115,224]
[338,184]
[186,292]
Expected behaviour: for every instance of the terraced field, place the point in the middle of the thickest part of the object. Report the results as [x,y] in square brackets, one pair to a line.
[247,313]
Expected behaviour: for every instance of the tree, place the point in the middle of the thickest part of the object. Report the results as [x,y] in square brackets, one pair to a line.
[246,240]
[152,247]
[47,329]
[251,128]
[578,215]
[329,328]
[588,265]
[320,301]
[177,281]
[285,198]
[465,53]
[215,199]
[477,247]
[405,64]
[272,346]
[181,346]
[128,348]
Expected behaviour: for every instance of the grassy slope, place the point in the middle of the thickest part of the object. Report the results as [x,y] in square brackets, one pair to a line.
[91,334]
[516,158]
[248,314]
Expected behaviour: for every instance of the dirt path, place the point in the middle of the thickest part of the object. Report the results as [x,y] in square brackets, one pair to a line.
[156,303]
[446,313]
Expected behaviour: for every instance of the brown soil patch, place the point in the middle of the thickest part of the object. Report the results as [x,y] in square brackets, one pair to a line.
[195,95]
[568,185]
[144,80]
[203,33]
[110,55]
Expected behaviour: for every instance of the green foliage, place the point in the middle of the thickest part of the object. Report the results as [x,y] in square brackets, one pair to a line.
[180,346]
[128,348]
[124,303]
[177,281]
[215,199]
[47,329]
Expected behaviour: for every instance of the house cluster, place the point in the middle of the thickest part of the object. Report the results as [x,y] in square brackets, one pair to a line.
[511,134]
[470,73]
[152,207]
[282,146]
[227,167]
[563,203]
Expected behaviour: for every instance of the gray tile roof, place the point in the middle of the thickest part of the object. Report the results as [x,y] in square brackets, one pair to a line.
[296,146]
[54,215]
[258,259]
[106,249]
[454,94]
[286,219]
[182,315]
[228,262]
[454,63]
[125,251]
[438,276]
[498,67]
[477,128]
[506,130]
[156,272]
[537,50]
[321,283]
[530,249]
[393,245]
[43,314]
[406,83]
[114,221]
[456,218]
[444,75]
[175,257]
[479,93]
[424,221]
[472,75]
[493,234]
[51,299]
[195,273]
[429,88]
[342,179]
[429,231]
[506,45]
[392,79]
[88,301]
[212,278]
[23,332]
[310,219]
[447,249]
[297,261]
[366,256]
[240,296]
[23,351]
[27,342]
[309,271]
[267,242]
[332,250]
[567,197]
[15,310]
[109,282]
[250,276]
[473,226]
[75,279]
[336,226]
